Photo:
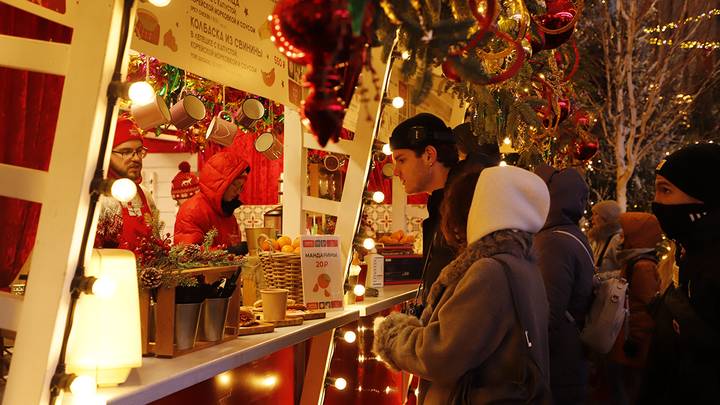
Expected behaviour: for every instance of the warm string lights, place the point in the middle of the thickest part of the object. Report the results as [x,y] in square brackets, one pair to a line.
[706,45]
[673,25]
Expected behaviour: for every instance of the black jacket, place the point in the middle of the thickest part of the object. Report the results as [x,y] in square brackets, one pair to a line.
[567,270]
[684,359]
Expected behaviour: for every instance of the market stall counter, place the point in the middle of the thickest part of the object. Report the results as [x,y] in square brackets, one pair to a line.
[158,378]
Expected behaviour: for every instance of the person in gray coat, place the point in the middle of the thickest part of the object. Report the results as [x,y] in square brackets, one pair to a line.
[469,345]
[567,268]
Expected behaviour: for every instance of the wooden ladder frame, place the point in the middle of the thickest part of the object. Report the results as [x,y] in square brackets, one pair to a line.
[63,190]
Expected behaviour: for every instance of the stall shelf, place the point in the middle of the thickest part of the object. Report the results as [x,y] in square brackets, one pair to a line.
[159,377]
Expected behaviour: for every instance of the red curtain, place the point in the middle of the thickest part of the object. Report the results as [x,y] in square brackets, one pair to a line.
[29,105]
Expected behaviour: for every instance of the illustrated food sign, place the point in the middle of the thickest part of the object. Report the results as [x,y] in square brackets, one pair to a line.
[227,41]
[322,275]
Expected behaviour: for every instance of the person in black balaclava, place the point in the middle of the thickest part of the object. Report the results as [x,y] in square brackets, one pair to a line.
[684,359]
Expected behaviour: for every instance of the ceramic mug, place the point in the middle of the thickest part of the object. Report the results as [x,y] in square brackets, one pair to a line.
[221,131]
[151,115]
[251,110]
[274,303]
[187,112]
[267,144]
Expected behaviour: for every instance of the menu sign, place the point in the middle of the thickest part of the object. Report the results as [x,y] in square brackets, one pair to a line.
[227,41]
[322,275]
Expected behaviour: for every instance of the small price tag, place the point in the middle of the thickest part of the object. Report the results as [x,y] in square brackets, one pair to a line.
[322,274]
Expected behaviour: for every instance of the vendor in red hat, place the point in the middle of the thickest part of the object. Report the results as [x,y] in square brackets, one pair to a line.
[124,225]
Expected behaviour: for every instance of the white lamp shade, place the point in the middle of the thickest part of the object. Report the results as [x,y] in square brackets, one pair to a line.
[105,340]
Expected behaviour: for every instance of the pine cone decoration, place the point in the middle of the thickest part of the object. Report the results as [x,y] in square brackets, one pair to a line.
[190,253]
[150,278]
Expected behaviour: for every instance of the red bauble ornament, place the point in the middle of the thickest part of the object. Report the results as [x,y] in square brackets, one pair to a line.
[558,21]
[448,69]
[581,118]
[325,113]
[585,150]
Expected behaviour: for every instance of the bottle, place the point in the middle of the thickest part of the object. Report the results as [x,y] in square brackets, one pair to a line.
[375,276]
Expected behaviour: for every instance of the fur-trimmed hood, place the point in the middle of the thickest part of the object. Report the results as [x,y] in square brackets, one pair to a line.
[516,243]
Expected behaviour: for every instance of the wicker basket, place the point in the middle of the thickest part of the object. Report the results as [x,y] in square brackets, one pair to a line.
[282,270]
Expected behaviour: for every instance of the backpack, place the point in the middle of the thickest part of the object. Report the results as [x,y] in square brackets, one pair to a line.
[608,310]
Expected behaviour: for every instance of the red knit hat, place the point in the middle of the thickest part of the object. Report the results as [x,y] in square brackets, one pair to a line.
[185,184]
[126,130]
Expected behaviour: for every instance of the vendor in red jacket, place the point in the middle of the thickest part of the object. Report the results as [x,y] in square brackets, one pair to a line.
[221,180]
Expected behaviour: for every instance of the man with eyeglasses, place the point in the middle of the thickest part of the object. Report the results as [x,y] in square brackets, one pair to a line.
[124,225]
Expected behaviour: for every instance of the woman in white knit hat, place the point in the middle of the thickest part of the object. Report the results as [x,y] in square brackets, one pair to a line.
[483,336]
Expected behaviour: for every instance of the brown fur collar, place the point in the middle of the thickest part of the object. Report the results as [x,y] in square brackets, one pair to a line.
[516,243]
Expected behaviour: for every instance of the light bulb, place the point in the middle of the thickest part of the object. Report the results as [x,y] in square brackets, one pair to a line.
[355,270]
[141,93]
[123,190]
[378,197]
[503,163]
[269,381]
[224,379]
[340,383]
[83,386]
[398,102]
[506,141]
[359,290]
[350,336]
[405,55]
[160,3]
[386,149]
[103,287]
[368,243]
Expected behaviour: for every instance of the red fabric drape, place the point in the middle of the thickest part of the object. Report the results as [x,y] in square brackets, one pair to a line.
[29,105]
[261,187]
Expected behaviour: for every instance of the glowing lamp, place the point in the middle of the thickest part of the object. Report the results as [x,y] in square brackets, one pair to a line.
[105,338]
[386,149]
[123,189]
[398,102]
[378,197]
[141,93]
[359,290]
[350,336]
[368,243]
[160,3]
[340,383]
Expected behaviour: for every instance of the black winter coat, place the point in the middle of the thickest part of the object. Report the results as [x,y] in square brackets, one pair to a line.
[567,270]
[684,360]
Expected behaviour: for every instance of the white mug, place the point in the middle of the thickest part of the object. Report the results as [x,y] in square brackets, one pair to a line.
[221,131]
[187,112]
[151,115]
[267,144]
[251,110]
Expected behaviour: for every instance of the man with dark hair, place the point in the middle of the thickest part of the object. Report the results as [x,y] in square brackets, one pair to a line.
[487,154]
[425,154]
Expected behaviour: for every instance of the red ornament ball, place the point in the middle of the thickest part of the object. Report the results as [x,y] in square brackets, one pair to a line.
[585,150]
[556,21]
[449,71]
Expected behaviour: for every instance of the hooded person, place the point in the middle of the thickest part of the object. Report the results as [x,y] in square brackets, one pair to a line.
[125,224]
[487,154]
[222,178]
[684,355]
[605,235]
[482,337]
[567,268]
[641,234]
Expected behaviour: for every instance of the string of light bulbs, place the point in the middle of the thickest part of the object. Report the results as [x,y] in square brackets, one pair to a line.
[707,45]
[673,25]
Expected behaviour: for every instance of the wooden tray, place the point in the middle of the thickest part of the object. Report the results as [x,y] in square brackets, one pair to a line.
[288,321]
[263,327]
[307,315]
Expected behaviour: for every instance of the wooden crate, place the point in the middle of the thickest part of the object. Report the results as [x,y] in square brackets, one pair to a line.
[165,315]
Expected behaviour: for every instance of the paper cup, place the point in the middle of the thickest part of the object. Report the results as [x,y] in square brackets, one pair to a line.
[250,111]
[267,144]
[274,303]
[151,115]
[187,112]
[221,131]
